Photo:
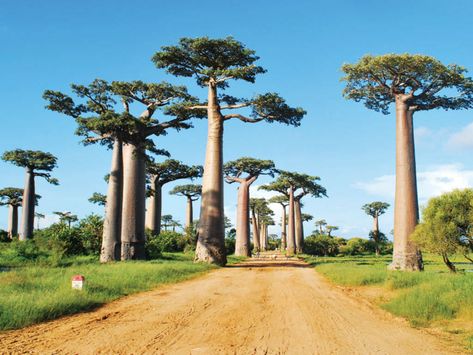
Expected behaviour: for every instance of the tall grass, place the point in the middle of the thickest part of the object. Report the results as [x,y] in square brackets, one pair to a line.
[36,293]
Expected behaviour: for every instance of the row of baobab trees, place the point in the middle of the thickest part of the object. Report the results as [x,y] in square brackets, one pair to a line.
[105,114]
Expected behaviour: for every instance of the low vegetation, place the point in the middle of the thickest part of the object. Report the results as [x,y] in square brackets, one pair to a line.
[434,297]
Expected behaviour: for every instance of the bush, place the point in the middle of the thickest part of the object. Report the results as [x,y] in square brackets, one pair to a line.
[357,246]
[168,241]
[230,245]
[90,232]
[321,245]
[4,237]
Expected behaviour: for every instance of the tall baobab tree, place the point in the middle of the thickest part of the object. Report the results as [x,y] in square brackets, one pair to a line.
[245,171]
[36,164]
[99,120]
[414,83]
[295,186]
[213,63]
[265,220]
[159,175]
[321,223]
[256,205]
[192,193]
[331,229]
[67,217]
[11,197]
[38,217]
[375,209]
[283,201]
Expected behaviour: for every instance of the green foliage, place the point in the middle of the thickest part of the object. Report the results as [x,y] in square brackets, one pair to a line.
[40,163]
[208,59]
[376,80]
[98,198]
[35,294]
[281,199]
[250,166]
[306,183]
[171,170]
[11,196]
[321,245]
[357,246]
[446,226]
[191,191]
[375,209]
[168,241]
[230,242]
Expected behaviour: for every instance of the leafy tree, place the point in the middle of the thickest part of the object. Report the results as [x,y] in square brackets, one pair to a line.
[376,209]
[283,201]
[258,207]
[98,198]
[414,83]
[166,221]
[11,197]
[100,120]
[192,193]
[36,164]
[38,216]
[321,245]
[213,63]
[330,229]
[447,225]
[356,246]
[245,171]
[321,223]
[161,174]
[295,186]
[67,217]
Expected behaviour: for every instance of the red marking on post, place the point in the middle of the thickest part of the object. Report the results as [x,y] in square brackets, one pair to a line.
[78,278]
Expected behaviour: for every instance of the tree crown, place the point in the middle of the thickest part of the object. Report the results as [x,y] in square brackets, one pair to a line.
[191,191]
[40,163]
[423,81]
[171,170]
[11,196]
[375,209]
[98,198]
[281,199]
[252,167]
[306,183]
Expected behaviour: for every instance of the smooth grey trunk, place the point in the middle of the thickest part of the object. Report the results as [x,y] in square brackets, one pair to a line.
[133,210]
[254,222]
[291,234]
[376,234]
[242,242]
[189,212]
[263,237]
[406,256]
[299,228]
[27,215]
[211,239]
[12,221]
[154,212]
[111,238]
[283,228]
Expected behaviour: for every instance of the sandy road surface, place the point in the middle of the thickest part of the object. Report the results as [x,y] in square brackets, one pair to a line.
[264,308]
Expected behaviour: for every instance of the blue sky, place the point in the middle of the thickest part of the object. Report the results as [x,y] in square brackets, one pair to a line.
[302,44]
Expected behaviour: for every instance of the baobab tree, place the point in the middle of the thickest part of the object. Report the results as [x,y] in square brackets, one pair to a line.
[414,83]
[129,135]
[330,229]
[11,197]
[166,221]
[67,217]
[98,199]
[283,201]
[36,164]
[245,171]
[159,175]
[265,220]
[213,63]
[375,209]
[192,193]
[295,186]
[38,217]
[321,223]
[257,206]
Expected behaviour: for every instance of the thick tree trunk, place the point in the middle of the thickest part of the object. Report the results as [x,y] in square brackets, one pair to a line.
[153,214]
[291,234]
[283,230]
[12,221]
[111,239]
[263,237]
[376,235]
[133,210]
[298,226]
[189,213]
[254,222]
[27,215]
[406,256]
[242,243]
[211,240]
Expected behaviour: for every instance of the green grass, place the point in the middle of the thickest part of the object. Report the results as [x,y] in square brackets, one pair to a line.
[35,293]
[423,298]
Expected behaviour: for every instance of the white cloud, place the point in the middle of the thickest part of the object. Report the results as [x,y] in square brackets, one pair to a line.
[422,132]
[462,139]
[46,221]
[432,182]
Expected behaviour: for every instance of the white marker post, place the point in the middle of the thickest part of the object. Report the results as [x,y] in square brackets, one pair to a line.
[78,282]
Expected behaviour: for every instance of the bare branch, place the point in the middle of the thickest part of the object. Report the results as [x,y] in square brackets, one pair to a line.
[243,118]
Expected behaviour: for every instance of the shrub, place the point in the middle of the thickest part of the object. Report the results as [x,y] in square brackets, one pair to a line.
[168,241]
[357,246]
[321,245]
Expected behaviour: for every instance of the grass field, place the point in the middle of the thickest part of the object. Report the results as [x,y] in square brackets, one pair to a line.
[36,293]
[435,297]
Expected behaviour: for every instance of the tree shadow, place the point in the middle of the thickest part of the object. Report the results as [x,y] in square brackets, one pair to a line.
[269,264]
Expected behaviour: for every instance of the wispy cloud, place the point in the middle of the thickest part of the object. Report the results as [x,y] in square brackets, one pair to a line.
[432,182]
[462,139]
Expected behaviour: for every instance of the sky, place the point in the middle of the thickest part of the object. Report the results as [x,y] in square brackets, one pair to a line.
[302,44]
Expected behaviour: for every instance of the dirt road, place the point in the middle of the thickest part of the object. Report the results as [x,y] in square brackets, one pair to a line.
[259,308]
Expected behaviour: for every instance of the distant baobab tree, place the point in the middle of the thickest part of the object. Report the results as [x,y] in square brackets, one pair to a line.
[11,197]
[192,193]
[375,209]
[282,200]
[38,217]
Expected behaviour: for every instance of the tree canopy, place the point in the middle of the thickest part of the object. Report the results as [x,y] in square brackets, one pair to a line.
[429,84]
[171,170]
[306,183]
[281,199]
[233,170]
[12,196]
[98,198]
[40,163]
[375,209]
[191,191]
